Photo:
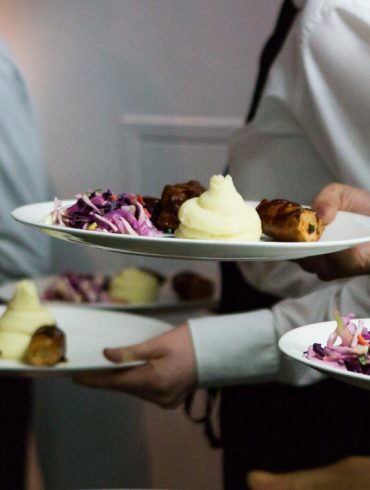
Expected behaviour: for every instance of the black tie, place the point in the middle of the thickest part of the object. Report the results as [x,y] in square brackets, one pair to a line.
[270,52]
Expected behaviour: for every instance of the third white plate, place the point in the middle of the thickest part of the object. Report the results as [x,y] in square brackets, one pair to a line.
[167,299]
[296,342]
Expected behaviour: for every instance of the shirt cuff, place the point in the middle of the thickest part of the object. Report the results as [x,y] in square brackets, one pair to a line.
[234,349]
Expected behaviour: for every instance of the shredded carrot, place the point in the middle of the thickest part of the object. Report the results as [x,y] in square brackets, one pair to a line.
[114,197]
[362,341]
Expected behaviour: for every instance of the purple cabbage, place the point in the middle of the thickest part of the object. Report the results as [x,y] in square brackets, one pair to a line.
[78,287]
[348,346]
[95,211]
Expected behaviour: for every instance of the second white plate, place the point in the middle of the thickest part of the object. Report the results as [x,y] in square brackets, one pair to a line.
[346,231]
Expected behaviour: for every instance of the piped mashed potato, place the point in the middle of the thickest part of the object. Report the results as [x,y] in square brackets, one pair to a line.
[22,317]
[135,286]
[220,213]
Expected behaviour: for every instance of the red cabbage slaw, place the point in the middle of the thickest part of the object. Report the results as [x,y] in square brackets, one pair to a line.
[76,287]
[352,352]
[123,214]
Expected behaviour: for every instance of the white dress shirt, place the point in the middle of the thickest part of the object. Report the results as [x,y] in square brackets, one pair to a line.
[23,251]
[311,129]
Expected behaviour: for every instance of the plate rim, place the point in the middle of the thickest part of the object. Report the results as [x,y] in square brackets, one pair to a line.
[324,367]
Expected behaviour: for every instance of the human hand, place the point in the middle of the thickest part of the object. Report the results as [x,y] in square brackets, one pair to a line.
[353,473]
[350,262]
[168,376]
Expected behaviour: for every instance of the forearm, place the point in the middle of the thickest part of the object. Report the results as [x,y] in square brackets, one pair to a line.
[242,348]
[23,251]
[224,347]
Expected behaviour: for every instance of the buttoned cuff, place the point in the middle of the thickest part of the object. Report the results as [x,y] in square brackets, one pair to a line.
[235,349]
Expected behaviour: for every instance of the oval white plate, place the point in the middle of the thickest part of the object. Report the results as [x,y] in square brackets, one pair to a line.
[296,342]
[167,299]
[88,332]
[346,231]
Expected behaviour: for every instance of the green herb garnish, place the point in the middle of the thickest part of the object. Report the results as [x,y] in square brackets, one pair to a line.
[362,359]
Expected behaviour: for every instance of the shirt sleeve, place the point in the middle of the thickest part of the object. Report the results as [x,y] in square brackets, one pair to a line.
[330,97]
[242,348]
[23,251]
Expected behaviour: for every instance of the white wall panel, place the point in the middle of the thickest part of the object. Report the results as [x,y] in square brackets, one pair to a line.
[172,149]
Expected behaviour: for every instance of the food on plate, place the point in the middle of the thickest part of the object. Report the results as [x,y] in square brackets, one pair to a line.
[78,287]
[347,346]
[135,285]
[131,285]
[47,346]
[188,211]
[165,210]
[287,221]
[153,205]
[219,213]
[190,286]
[124,214]
[22,317]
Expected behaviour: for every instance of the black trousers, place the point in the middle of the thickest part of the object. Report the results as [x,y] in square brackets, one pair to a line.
[276,427]
[15,419]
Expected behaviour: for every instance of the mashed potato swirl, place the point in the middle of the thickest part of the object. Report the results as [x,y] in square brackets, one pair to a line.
[23,316]
[220,213]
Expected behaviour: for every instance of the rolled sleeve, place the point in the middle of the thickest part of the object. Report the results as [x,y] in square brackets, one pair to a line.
[234,349]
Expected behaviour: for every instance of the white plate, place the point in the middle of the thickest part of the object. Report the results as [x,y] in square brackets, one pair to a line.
[346,231]
[296,342]
[167,299]
[88,332]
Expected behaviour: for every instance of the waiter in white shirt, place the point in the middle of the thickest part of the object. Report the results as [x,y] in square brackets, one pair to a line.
[310,129]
